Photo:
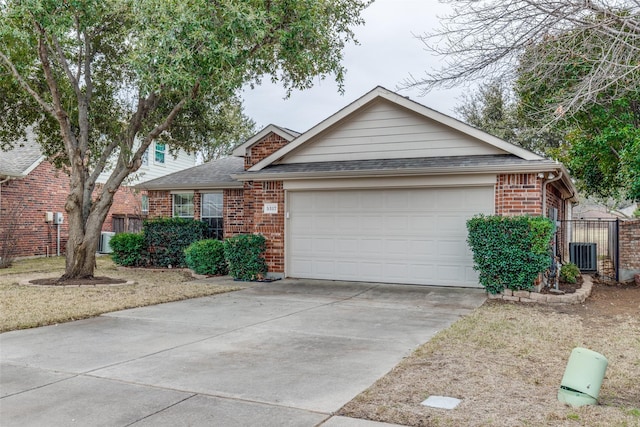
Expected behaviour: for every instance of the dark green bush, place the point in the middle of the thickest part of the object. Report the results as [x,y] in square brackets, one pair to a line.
[206,257]
[129,249]
[569,273]
[167,238]
[244,256]
[509,252]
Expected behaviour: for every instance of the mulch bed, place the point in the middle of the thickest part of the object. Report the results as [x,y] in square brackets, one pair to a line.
[564,287]
[89,281]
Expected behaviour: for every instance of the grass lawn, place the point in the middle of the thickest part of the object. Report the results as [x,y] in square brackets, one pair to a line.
[23,306]
[506,361]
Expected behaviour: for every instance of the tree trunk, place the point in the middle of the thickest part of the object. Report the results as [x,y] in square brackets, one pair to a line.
[84,236]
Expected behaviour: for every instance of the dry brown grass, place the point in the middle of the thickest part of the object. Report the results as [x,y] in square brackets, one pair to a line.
[23,306]
[506,362]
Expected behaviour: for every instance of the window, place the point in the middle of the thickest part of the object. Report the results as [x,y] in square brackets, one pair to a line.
[144,202]
[161,150]
[183,205]
[211,213]
[145,157]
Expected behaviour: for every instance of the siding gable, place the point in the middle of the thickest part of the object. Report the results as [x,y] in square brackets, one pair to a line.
[384,130]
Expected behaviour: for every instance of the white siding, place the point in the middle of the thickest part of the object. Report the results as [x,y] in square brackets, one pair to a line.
[385,131]
[154,170]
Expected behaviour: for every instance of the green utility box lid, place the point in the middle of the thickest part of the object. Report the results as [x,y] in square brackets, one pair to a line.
[583,377]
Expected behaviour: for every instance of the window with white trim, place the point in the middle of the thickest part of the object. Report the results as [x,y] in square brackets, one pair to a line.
[183,205]
[211,213]
[144,204]
[161,151]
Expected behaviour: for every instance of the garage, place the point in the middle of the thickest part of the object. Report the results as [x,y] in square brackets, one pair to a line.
[409,235]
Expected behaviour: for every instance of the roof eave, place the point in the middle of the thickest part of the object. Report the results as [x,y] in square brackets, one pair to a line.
[199,186]
[453,170]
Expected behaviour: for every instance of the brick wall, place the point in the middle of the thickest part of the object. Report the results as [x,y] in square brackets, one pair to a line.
[271,226]
[518,194]
[264,148]
[45,190]
[629,244]
[233,212]
[160,204]
[127,202]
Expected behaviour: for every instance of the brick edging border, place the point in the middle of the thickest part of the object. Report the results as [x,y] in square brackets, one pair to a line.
[579,296]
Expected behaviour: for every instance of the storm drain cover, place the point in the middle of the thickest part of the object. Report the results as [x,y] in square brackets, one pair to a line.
[442,402]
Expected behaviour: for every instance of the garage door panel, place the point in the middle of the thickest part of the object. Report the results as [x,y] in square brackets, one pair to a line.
[325,244]
[415,236]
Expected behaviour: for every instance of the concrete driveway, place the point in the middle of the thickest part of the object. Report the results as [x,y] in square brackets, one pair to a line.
[288,353]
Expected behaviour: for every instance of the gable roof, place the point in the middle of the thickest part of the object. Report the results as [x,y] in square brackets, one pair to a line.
[209,175]
[380,93]
[288,134]
[21,160]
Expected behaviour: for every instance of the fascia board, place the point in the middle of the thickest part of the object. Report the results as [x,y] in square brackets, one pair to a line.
[544,167]
[209,186]
[320,127]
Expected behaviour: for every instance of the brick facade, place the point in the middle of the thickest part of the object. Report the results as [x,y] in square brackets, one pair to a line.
[518,194]
[515,194]
[258,151]
[270,225]
[45,190]
[629,244]
[233,212]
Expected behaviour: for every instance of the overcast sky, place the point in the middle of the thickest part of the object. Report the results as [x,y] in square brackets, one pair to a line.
[388,53]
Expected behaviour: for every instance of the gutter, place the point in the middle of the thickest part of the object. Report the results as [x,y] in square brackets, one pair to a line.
[278,176]
[544,191]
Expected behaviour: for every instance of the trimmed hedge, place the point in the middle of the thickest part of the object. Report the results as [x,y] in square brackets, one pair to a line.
[244,256]
[206,257]
[509,252]
[129,249]
[167,238]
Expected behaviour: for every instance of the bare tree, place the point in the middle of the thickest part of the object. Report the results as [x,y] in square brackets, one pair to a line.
[505,39]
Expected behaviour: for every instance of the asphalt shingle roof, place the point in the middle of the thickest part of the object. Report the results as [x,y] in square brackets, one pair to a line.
[215,173]
[426,163]
[17,161]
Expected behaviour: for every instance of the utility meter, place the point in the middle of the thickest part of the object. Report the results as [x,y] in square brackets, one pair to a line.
[58,218]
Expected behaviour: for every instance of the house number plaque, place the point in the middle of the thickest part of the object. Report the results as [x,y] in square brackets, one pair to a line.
[270,208]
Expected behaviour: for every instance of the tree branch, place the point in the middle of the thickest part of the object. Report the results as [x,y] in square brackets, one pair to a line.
[25,85]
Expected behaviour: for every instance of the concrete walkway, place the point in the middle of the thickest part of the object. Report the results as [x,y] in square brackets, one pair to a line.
[287,353]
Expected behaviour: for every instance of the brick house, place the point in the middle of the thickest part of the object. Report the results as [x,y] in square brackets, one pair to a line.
[30,186]
[380,191]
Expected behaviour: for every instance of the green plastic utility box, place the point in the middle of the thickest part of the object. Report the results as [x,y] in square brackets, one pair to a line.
[582,378]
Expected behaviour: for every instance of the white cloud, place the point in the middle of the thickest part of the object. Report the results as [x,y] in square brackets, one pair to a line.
[388,53]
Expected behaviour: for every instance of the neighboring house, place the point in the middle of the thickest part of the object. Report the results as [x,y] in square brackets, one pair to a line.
[380,191]
[31,187]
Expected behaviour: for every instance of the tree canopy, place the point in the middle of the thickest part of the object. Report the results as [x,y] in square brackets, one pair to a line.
[486,39]
[96,79]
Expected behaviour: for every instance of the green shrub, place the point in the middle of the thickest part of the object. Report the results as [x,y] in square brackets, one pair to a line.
[129,249]
[206,257]
[569,273]
[509,252]
[167,238]
[244,256]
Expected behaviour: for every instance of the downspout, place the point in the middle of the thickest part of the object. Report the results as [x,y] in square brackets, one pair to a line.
[544,192]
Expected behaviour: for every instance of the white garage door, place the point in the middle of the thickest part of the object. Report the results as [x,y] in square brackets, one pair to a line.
[413,236]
